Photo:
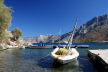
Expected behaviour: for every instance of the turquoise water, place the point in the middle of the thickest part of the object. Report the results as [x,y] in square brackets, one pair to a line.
[39,60]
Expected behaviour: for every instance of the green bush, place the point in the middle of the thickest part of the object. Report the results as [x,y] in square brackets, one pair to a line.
[5,20]
[16,32]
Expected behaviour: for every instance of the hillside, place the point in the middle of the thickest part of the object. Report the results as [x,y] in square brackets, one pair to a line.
[94,30]
[44,38]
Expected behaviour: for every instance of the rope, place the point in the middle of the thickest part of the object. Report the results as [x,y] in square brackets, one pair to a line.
[83,58]
[45,59]
[45,56]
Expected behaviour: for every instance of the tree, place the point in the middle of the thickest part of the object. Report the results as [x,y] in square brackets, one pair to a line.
[5,20]
[16,32]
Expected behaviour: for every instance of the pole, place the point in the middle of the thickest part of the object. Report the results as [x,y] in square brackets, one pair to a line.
[71,36]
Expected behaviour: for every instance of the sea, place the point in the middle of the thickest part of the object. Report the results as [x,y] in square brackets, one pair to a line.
[40,60]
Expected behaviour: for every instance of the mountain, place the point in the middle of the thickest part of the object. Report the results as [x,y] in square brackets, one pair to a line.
[94,30]
[44,38]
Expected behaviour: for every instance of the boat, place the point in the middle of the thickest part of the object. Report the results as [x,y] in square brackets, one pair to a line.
[71,54]
[39,45]
[22,47]
[72,46]
[103,41]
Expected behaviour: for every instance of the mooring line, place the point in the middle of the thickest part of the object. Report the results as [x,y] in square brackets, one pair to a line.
[45,59]
[83,58]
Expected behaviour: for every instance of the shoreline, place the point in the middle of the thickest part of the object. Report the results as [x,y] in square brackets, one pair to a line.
[3,49]
[7,47]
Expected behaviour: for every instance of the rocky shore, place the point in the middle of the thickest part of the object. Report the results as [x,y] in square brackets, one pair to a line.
[13,44]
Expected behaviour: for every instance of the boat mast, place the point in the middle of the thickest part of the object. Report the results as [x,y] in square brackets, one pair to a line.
[60,36]
[71,36]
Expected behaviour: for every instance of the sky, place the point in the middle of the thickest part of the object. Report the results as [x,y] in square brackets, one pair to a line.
[35,17]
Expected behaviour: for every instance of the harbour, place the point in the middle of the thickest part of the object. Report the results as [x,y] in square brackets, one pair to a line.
[37,60]
[54,45]
[41,36]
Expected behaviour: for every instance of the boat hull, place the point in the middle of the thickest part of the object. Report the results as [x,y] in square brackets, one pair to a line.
[65,59]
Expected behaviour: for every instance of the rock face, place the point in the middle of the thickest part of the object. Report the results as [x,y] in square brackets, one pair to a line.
[94,30]
[44,38]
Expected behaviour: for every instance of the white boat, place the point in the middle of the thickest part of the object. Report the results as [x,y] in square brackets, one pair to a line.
[72,52]
[67,58]
[22,47]
[103,41]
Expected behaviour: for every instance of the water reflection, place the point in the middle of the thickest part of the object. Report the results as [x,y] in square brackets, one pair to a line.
[2,62]
[49,62]
[33,60]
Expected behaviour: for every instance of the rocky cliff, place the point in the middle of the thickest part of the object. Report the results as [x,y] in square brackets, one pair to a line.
[94,30]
